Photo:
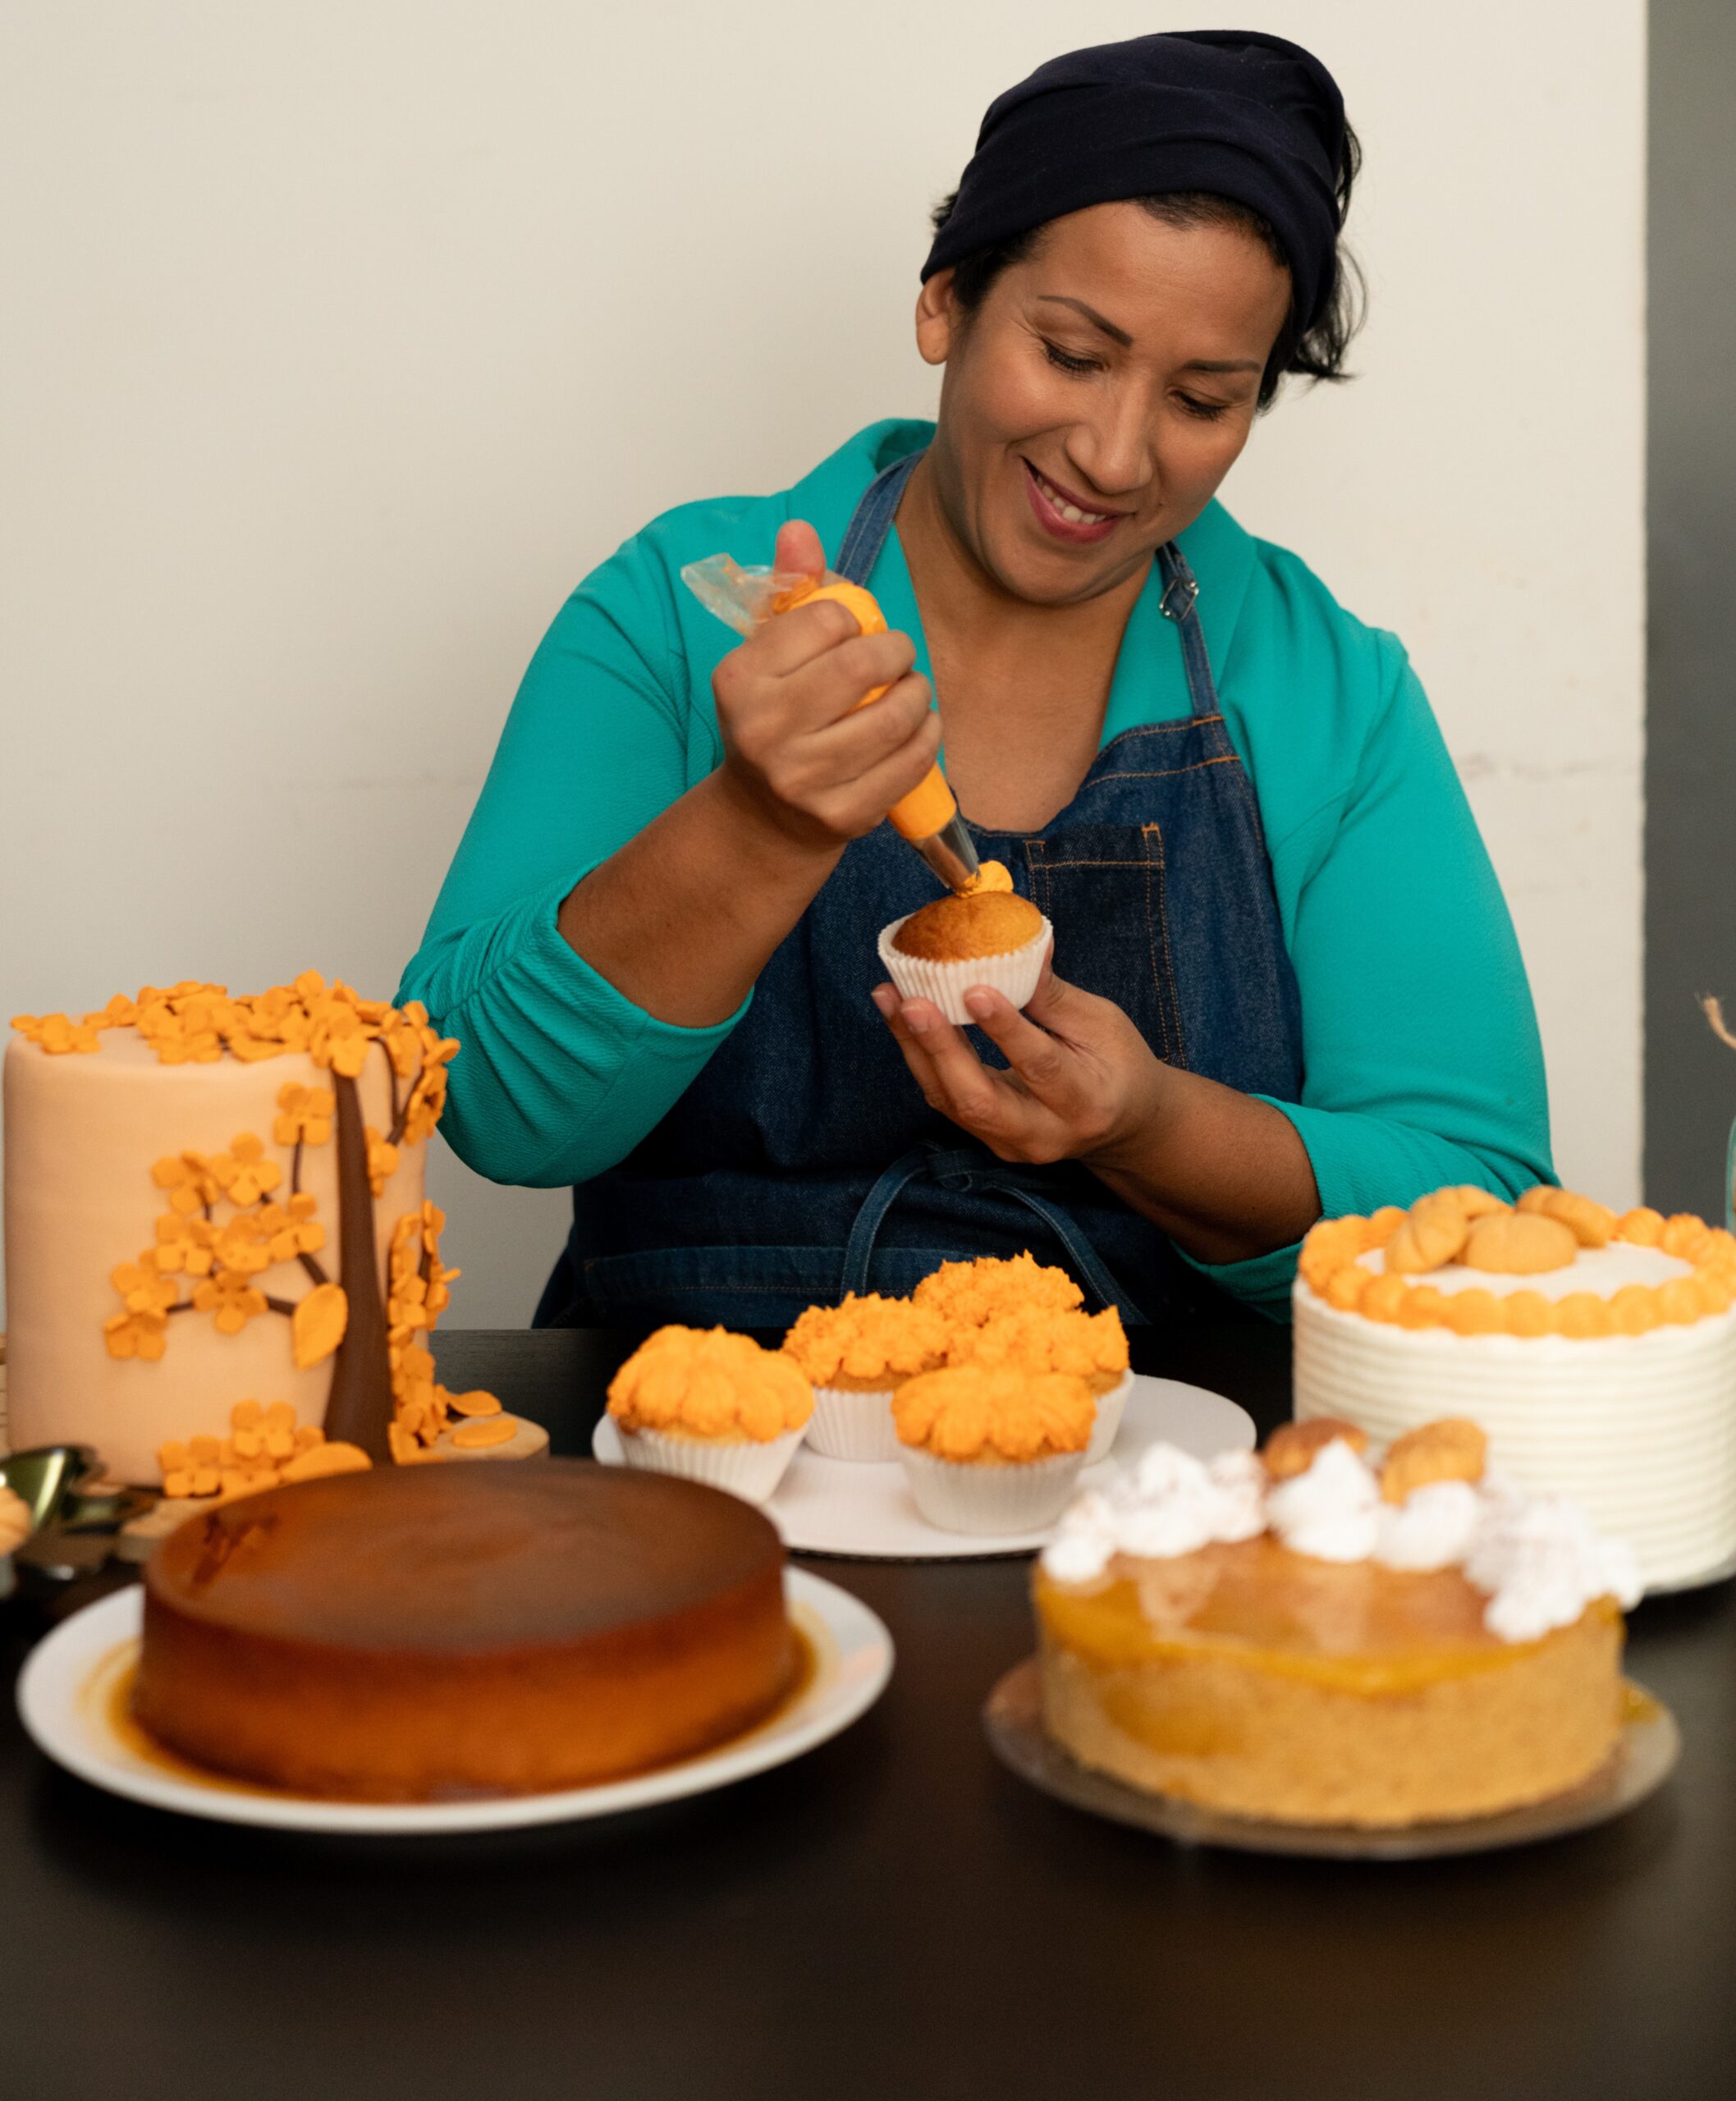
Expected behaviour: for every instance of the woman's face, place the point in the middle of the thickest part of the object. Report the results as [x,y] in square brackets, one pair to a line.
[1113,372]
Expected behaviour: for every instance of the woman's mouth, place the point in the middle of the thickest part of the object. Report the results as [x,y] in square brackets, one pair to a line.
[1063,518]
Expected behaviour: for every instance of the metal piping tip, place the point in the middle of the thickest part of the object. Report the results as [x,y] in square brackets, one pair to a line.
[951,853]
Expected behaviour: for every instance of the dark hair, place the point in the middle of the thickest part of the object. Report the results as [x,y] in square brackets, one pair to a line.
[1315,353]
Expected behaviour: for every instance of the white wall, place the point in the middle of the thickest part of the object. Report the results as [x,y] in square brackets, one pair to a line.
[341,336]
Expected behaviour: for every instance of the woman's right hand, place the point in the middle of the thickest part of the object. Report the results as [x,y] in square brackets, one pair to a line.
[800,754]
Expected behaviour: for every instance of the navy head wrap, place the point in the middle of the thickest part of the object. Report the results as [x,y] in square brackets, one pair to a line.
[1228,112]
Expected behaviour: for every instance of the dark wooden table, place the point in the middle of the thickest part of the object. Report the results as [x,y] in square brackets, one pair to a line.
[893,1916]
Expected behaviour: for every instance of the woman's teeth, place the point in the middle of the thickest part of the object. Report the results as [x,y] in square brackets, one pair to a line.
[1070,511]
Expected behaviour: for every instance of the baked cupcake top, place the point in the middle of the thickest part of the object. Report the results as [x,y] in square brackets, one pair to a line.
[866,1339]
[698,1382]
[959,929]
[994,1412]
[968,1294]
[1045,1339]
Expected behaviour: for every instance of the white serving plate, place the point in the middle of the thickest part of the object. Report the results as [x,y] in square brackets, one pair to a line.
[66,1691]
[847,1507]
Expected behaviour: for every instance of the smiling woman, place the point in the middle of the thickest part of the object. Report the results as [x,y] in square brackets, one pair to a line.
[1283,975]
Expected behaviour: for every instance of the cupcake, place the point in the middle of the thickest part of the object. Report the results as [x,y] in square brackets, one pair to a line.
[967,1294]
[991,1447]
[985,937]
[712,1406]
[1090,1346]
[856,1355]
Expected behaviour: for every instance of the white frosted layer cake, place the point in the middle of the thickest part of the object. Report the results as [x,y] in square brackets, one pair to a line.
[1608,1375]
[220,1264]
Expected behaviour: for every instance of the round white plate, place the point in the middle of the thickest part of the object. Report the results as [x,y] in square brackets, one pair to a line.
[845,1507]
[67,1687]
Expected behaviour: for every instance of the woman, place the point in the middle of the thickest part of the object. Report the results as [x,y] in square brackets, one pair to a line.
[1284,979]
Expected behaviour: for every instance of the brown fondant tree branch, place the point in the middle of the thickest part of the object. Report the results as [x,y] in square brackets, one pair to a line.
[359,1405]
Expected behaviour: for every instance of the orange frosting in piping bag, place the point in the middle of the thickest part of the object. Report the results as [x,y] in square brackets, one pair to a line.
[929,806]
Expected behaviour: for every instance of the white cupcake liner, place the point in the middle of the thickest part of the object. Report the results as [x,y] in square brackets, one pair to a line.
[1111,1407]
[852,1425]
[743,1466]
[963,1496]
[1014,974]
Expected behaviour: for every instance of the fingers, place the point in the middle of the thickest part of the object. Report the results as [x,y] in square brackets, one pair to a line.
[967,1091]
[1046,1066]
[798,550]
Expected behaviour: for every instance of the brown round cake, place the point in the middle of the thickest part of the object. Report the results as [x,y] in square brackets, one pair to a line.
[417,1632]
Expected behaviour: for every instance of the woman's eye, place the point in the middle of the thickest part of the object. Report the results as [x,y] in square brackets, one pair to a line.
[1208,412]
[1065,360]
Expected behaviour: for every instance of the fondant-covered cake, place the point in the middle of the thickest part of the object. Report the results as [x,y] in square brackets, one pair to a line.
[410,1634]
[1597,1351]
[219,1252]
[1310,1638]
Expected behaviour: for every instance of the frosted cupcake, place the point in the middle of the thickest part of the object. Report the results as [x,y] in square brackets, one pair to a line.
[856,1356]
[712,1406]
[992,1449]
[985,937]
[967,1294]
[1090,1346]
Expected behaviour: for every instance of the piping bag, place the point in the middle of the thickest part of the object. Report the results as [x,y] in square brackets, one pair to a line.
[742,598]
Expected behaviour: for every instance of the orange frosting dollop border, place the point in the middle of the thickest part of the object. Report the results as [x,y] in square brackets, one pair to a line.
[1329,1265]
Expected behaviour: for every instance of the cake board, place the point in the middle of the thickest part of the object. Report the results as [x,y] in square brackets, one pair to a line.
[1644,1757]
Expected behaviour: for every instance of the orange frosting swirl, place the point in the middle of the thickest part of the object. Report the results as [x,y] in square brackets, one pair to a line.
[994,1412]
[1045,1339]
[967,1294]
[866,1339]
[694,1382]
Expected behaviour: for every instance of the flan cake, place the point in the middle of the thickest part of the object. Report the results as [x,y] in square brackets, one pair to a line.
[411,1634]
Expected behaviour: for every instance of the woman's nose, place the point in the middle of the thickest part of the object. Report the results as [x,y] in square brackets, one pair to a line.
[1114,450]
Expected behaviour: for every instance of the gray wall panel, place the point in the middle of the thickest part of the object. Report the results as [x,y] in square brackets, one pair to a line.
[1691,666]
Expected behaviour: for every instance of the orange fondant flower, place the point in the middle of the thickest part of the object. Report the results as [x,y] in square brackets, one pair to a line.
[231,1300]
[188,1180]
[143,1287]
[291,1228]
[241,1245]
[426,1099]
[382,1161]
[56,1034]
[183,1244]
[143,1335]
[244,1171]
[304,1115]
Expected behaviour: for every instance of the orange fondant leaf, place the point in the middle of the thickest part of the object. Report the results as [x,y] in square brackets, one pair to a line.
[317,1326]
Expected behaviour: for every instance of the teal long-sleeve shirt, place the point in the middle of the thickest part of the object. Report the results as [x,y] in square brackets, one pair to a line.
[1421,1060]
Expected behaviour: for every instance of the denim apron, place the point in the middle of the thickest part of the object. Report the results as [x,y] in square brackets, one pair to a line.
[803,1163]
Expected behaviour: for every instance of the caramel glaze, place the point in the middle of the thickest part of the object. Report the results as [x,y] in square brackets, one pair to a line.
[1357,1626]
[414,1633]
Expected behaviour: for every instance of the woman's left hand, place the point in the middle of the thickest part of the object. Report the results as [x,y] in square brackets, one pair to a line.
[1082,1083]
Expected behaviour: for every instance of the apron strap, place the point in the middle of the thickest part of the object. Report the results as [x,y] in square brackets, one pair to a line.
[874,520]
[858,1250]
[962,1169]
[1180,603]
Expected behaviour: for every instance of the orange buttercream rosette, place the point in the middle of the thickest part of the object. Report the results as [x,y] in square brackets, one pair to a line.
[1090,1346]
[994,1413]
[707,1383]
[869,1343]
[969,1293]
[1330,1265]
